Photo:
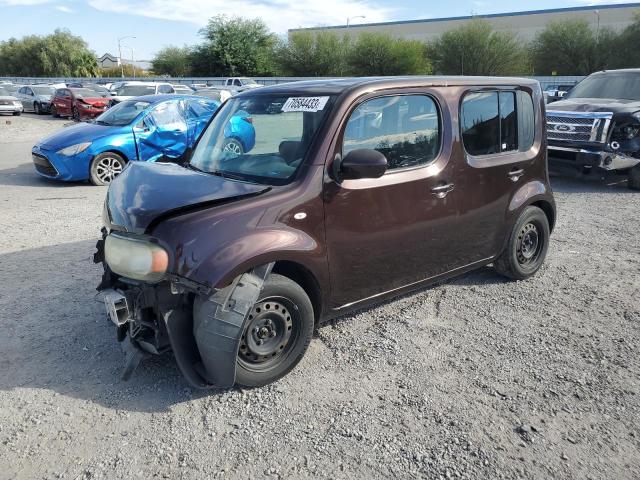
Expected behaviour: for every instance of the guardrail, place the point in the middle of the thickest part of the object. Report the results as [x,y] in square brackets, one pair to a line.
[545,81]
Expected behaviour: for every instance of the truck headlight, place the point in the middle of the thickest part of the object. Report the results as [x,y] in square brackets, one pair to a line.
[136,258]
[17,104]
[74,149]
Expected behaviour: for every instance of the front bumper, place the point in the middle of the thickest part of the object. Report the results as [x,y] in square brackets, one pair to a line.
[591,155]
[51,164]
[92,112]
[11,108]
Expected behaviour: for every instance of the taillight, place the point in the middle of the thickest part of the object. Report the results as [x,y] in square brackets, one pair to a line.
[248,119]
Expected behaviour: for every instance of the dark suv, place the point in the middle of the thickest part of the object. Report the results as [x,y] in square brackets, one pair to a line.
[356,191]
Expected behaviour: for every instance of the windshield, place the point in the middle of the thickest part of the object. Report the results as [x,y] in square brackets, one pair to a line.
[43,90]
[623,86]
[248,81]
[260,138]
[123,113]
[83,92]
[97,88]
[136,90]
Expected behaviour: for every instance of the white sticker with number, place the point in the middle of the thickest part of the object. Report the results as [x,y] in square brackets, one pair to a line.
[304,104]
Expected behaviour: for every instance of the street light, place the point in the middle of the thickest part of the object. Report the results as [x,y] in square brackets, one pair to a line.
[353,18]
[133,64]
[120,52]
[597,13]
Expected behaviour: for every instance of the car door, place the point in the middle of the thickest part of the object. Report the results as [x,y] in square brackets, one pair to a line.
[27,98]
[497,133]
[63,102]
[386,233]
[162,132]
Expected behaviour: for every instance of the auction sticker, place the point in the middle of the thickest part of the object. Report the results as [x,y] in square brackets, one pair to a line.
[304,104]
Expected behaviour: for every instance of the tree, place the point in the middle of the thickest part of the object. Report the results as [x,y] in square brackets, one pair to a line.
[60,54]
[306,54]
[234,46]
[625,52]
[572,47]
[172,61]
[129,71]
[382,54]
[476,49]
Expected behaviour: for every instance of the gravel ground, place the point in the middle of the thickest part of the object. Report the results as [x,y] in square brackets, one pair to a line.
[475,378]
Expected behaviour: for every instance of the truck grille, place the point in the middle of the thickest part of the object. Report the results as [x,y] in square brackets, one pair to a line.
[578,126]
[6,102]
[43,165]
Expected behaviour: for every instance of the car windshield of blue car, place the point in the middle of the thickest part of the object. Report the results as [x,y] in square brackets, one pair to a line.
[135,90]
[43,90]
[622,86]
[261,138]
[123,113]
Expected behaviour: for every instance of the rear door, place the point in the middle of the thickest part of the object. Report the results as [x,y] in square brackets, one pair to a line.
[386,233]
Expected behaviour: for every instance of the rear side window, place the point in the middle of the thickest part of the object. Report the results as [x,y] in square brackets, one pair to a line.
[404,128]
[497,122]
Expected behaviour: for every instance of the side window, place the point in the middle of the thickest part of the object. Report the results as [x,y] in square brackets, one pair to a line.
[237,83]
[200,108]
[28,91]
[404,128]
[167,116]
[164,89]
[489,123]
[526,121]
[22,90]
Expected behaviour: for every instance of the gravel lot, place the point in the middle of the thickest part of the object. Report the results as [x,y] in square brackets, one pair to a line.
[476,378]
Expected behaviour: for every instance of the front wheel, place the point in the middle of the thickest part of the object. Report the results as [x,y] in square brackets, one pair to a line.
[634,178]
[233,147]
[54,111]
[75,114]
[105,167]
[527,246]
[277,333]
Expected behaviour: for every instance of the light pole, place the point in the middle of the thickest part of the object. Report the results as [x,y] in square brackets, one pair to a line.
[353,18]
[133,64]
[120,52]
[597,14]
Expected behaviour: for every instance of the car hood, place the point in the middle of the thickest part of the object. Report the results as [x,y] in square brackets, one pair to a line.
[595,105]
[8,97]
[96,101]
[143,192]
[79,133]
[44,98]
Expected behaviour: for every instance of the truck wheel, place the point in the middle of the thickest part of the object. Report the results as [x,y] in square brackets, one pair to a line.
[527,247]
[277,333]
[105,167]
[634,178]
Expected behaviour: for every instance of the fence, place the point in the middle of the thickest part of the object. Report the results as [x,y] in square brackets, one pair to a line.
[213,81]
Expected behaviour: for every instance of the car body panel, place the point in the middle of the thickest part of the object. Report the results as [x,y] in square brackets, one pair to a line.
[10,104]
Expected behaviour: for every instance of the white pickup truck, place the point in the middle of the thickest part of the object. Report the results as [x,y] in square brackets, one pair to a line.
[241,83]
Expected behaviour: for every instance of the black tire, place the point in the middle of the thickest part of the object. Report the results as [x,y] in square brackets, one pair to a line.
[634,178]
[105,167]
[36,108]
[527,246]
[285,304]
[233,146]
[17,114]
[54,111]
[75,114]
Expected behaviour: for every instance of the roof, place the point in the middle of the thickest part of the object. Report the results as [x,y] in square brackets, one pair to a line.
[470,17]
[108,56]
[153,99]
[340,85]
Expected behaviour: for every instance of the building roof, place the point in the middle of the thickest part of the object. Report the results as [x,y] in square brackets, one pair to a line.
[470,17]
[108,56]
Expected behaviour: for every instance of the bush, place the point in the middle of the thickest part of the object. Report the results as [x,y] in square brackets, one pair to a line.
[382,54]
[306,54]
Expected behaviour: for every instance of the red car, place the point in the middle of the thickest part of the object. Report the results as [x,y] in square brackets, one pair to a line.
[78,103]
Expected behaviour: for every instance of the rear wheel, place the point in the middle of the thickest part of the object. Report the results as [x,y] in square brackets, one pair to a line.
[634,178]
[527,247]
[105,167]
[277,333]
[233,146]
[75,114]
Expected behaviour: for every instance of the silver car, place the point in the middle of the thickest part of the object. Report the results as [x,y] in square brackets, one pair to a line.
[9,103]
[36,98]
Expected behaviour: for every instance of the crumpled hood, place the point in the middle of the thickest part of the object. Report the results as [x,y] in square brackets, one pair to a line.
[145,191]
[74,134]
[595,105]
[95,101]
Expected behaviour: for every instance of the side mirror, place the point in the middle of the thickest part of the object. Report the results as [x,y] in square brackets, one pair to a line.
[361,163]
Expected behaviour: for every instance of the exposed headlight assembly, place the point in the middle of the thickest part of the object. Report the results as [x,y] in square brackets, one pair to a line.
[136,258]
[17,103]
[74,149]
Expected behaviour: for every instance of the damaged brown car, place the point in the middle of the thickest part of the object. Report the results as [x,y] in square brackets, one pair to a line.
[356,190]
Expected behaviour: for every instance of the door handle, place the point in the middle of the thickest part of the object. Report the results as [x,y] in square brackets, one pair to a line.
[515,174]
[441,191]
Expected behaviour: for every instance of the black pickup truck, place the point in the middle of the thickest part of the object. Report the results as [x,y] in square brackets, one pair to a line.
[597,124]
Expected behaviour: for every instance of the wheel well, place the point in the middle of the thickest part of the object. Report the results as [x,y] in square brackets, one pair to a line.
[548,211]
[124,157]
[303,277]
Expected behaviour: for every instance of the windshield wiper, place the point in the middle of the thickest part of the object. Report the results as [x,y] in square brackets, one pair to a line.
[230,176]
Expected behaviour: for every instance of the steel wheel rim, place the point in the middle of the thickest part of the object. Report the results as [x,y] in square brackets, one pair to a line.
[278,338]
[76,114]
[233,147]
[108,168]
[529,245]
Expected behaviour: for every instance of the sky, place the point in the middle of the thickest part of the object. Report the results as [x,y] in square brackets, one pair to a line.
[159,23]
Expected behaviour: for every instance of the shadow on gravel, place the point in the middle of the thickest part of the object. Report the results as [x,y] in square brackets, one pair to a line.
[570,182]
[25,176]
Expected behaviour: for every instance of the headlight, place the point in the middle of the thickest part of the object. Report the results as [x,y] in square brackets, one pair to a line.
[136,258]
[17,104]
[74,149]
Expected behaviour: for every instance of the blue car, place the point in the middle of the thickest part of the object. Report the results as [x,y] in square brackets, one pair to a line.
[147,128]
